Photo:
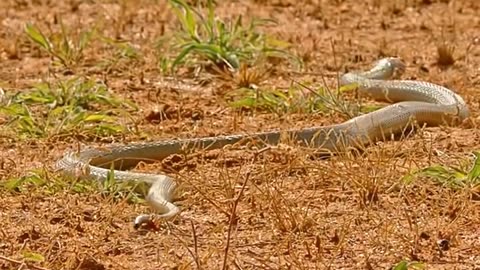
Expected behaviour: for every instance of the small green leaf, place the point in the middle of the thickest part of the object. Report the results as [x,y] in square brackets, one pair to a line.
[436,171]
[80,188]
[191,23]
[247,102]
[85,38]
[348,87]
[13,184]
[417,266]
[403,265]
[474,173]
[37,36]
[33,257]
[108,129]
[97,118]
[35,179]
[38,99]
[186,50]
[110,182]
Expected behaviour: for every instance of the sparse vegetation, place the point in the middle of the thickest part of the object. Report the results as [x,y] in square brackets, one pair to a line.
[409,204]
[122,55]
[452,176]
[445,55]
[73,107]
[68,50]
[205,37]
[300,98]
[40,180]
[276,100]
[62,47]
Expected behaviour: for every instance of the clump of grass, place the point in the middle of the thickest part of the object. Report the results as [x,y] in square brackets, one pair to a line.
[274,100]
[245,76]
[66,50]
[62,108]
[121,56]
[445,53]
[32,256]
[452,176]
[298,98]
[205,37]
[49,184]
[39,178]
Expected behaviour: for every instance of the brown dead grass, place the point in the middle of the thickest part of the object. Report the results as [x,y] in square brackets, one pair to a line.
[276,208]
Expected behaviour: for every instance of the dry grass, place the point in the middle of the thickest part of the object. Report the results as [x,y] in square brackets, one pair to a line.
[445,55]
[242,207]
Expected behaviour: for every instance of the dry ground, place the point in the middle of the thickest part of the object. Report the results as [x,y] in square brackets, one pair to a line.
[296,212]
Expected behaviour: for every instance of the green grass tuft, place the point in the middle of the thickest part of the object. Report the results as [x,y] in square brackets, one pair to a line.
[409,265]
[62,47]
[50,184]
[75,106]
[205,37]
[298,98]
[465,176]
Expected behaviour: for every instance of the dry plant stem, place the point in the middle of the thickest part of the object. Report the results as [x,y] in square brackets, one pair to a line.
[207,198]
[195,244]
[194,254]
[232,221]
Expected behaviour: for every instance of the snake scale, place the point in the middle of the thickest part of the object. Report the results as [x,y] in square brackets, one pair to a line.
[426,103]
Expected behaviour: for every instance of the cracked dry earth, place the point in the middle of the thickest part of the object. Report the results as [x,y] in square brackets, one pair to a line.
[295,212]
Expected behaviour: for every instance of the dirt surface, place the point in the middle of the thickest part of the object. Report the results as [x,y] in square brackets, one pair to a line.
[296,212]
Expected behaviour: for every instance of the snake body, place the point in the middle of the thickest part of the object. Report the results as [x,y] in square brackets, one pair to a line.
[426,103]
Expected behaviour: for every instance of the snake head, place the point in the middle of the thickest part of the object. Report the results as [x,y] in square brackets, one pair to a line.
[145,221]
[385,68]
[394,64]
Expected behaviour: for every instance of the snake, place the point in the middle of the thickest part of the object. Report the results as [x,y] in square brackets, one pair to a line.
[412,101]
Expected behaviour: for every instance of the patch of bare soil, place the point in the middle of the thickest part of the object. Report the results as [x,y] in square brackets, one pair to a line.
[296,211]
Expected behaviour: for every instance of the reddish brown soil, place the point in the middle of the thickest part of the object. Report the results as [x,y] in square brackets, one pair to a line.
[347,212]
